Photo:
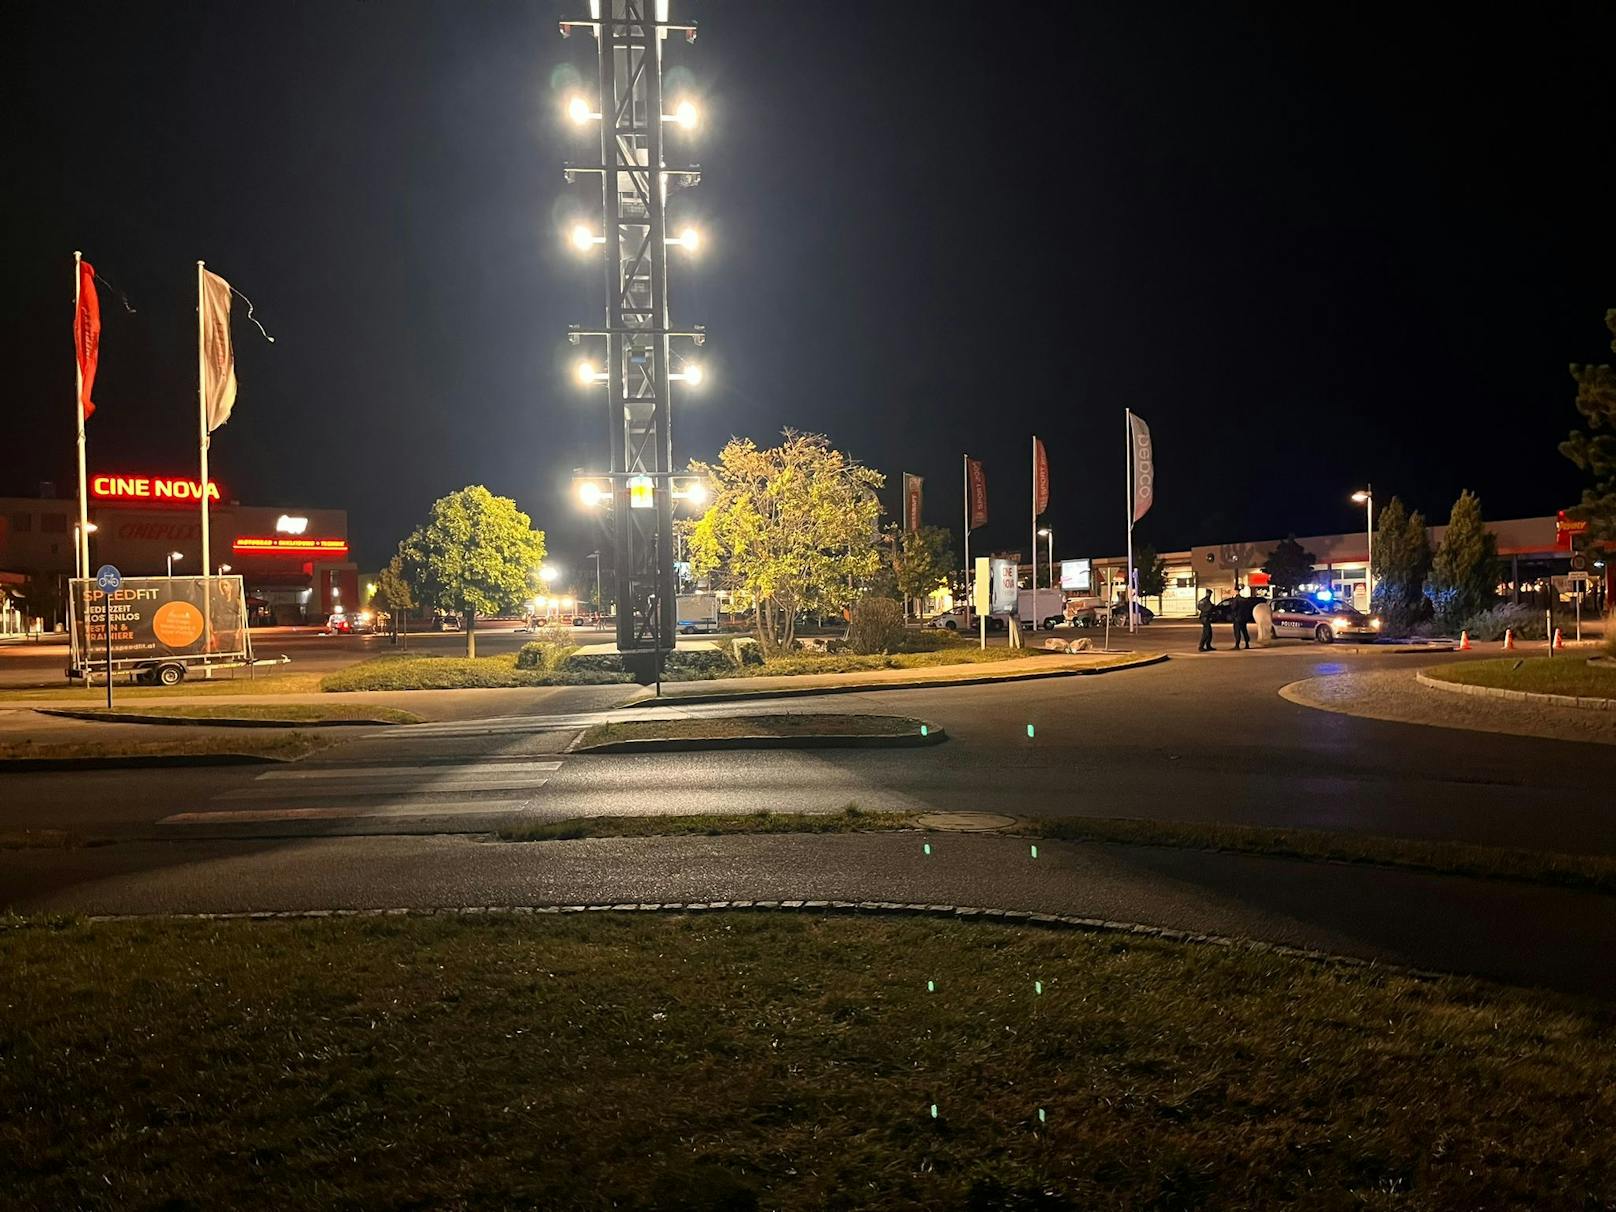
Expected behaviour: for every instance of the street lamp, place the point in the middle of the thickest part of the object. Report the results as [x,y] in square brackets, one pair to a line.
[548,573]
[684,114]
[1050,535]
[1365,496]
[692,374]
[595,555]
[172,556]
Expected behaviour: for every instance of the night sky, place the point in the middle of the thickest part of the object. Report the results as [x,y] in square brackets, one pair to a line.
[1312,247]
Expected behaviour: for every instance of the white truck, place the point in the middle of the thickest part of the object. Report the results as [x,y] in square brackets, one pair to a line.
[697,613]
[1044,608]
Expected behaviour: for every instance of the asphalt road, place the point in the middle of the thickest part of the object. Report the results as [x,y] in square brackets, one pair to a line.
[1196,738]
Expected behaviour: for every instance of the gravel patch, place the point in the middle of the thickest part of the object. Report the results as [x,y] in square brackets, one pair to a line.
[1396,695]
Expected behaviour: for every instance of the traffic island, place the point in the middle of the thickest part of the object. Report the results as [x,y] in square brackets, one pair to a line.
[922,1061]
[122,753]
[1560,681]
[796,731]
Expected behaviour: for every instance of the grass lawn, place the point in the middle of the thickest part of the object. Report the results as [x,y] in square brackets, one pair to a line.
[847,662]
[292,713]
[1566,674]
[264,744]
[803,724]
[453,673]
[850,819]
[735,1060]
[236,682]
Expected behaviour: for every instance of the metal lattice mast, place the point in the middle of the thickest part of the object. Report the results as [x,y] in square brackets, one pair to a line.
[638,368]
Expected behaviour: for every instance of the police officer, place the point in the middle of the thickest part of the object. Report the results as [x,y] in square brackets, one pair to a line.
[1204,609]
[1242,614]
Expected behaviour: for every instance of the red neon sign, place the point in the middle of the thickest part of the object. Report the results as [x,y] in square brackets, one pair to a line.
[150,488]
[289,546]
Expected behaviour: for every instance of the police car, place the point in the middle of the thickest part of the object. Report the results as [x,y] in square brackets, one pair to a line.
[1321,619]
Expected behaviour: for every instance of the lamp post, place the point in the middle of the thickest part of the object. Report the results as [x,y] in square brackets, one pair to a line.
[224,568]
[1048,533]
[81,547]
[595,555]
[172,556]
[1366,497]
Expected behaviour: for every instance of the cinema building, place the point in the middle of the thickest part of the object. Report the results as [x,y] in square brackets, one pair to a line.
[293,559]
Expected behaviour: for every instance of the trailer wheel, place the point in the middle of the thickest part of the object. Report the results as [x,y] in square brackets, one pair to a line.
[170,675]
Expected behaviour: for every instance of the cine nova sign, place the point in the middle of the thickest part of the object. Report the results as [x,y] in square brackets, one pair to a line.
[150,488]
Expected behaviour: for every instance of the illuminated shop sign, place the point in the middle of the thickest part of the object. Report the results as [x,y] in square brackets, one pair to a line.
[271,545]
[286,524]
[150,488]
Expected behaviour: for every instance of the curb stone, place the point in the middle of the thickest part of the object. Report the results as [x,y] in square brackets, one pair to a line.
[1054,921]
[136,761]
[135,717]
[1582,702]
[934,735]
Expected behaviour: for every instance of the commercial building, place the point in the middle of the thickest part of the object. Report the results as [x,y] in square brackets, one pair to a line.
[293,558]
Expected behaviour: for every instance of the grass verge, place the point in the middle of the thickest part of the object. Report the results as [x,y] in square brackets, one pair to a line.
[235,682]
[39,839]
[847,662]
[290,713]
[286,745]
[741,1060]
[1570,674]
[850,819]
[454,673]
[803,724]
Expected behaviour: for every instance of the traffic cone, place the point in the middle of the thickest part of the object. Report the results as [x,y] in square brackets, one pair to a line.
[1559,641]
[1464,641]
[1509,640]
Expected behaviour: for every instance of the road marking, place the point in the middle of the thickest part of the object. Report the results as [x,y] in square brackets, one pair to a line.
[240,816]
[448,771]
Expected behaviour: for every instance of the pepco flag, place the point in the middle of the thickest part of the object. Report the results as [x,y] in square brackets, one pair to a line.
[87,336]
[1144,466]
[218,359]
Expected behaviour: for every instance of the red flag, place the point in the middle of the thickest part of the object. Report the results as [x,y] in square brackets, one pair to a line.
[87,335]
[1041,477]
[979,492]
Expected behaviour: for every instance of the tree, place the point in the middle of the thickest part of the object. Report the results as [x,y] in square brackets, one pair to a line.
[475,554]
[1402,562]
[1464,571]
[791,529]
[42,599]
[1150,573]
[1595,452]
[921,560]
[1289,566]
[393,592]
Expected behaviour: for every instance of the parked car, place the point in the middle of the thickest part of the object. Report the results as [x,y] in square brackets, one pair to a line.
[339,624]
[954,620]
[1323,622]
[446,620]
[1119,613]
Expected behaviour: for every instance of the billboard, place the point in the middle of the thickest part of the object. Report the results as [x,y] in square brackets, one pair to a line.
[1077,575]
[156,617]
[1006,587]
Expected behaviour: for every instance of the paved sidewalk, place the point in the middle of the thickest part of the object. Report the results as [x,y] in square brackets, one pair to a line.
[1508,931]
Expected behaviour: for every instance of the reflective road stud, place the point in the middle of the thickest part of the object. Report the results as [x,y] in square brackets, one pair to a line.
[928,847]
[1029,729]
[1038,986]
[923,730]
[931,986]
[934,1110]
[1035,850]
[1040,1115]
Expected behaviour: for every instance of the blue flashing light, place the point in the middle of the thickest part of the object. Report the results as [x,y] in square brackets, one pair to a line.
[1324,595]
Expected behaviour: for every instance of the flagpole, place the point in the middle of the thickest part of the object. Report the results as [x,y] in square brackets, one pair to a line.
[82,555]
[202,447]
[1035,532]
[1127,423]
[965,465]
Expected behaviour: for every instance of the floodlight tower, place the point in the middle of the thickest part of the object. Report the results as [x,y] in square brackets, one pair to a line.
[633,357]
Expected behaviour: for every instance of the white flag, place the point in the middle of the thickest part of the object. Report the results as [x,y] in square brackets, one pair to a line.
[1144,468]
[218,359]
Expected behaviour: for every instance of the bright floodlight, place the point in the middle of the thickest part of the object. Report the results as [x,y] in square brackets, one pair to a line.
[696,493]
[586,372]
[685,114]
[590,494]
[690,238]
[578,110]
[693,374]
[548,573]
[582,238]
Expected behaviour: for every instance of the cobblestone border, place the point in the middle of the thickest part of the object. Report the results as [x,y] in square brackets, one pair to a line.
[1017,917]
[1582,702]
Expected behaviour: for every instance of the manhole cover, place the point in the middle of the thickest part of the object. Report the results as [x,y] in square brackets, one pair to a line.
[965,822]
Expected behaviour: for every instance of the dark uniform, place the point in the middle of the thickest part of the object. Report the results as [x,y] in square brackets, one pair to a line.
[1204,609]
[1245,610]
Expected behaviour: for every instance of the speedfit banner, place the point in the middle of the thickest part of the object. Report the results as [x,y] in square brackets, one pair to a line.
[160,617]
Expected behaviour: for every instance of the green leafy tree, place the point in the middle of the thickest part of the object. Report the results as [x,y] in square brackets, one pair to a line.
[1289,565]
[393,593]
[475,554]
[1151,572]
[1464,570]
[791,529]
[921,560]
[1402,563]
[42,599]
[1595,450]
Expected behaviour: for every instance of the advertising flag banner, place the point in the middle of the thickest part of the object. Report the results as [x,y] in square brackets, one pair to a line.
[978,481]
[1144,468]
[1040,477]
[87,336]
[218,359]
[911,501]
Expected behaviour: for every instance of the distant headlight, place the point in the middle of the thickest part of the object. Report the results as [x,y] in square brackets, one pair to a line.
[1375,623]
[1339,623]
